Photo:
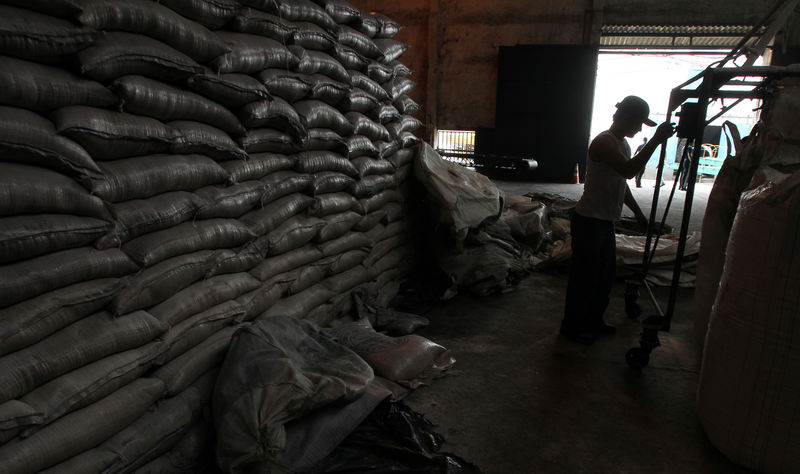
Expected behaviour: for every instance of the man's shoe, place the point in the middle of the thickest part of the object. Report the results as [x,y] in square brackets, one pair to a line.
[580,337]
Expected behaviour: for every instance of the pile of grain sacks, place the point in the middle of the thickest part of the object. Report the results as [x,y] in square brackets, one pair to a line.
[169,171]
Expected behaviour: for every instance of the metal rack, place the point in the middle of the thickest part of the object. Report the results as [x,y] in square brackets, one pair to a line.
[717,82]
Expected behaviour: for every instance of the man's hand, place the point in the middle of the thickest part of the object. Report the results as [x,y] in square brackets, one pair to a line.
[663,132]
[633,205]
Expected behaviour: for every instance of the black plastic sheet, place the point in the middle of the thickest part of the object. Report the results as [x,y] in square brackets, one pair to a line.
[393,439]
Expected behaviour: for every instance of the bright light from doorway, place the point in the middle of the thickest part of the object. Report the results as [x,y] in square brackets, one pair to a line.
[652,77]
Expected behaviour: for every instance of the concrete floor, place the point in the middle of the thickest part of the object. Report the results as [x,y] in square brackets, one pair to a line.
[522,399]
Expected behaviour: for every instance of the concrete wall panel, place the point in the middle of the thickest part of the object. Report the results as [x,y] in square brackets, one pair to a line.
[454,43]
[683,12]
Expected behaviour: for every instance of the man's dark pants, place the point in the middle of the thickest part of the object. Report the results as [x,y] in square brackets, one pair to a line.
[591,273]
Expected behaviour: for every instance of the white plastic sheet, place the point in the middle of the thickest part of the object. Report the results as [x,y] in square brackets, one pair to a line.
[460,198]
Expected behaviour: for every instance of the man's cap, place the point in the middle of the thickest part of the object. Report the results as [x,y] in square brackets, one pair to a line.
[636,108]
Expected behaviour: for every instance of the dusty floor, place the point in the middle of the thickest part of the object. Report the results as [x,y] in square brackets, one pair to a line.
[522,399]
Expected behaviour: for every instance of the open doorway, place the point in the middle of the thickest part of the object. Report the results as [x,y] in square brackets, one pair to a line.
[652,76]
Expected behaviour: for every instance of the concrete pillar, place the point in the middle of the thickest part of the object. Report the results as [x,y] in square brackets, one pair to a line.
[431,105]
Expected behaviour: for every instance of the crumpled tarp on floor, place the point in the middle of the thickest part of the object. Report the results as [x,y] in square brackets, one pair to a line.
[278,370]
[485,242]
[461,199]
[471,244]
[394,439]
[289,392]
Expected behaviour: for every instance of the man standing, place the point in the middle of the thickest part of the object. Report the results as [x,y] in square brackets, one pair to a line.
[686,163]
[641,171]
[608,166]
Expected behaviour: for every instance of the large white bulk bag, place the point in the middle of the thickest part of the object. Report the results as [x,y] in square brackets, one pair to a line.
[748,388]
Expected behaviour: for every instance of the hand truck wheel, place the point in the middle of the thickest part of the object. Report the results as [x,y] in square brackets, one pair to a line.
[637,358]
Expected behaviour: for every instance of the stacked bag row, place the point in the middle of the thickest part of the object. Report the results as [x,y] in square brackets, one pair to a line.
[170,171]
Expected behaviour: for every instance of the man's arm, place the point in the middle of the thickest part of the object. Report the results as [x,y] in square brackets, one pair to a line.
[604,148]
[633,205]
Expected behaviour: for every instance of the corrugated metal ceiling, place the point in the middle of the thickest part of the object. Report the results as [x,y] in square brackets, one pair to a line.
[668,37]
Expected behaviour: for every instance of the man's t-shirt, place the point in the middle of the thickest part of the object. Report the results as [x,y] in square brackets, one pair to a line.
[604,188]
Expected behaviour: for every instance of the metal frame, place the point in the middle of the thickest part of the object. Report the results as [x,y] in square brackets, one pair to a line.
[712,87]
[709,90]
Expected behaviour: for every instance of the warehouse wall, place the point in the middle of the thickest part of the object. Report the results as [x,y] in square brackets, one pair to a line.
[676,12]
[454,43]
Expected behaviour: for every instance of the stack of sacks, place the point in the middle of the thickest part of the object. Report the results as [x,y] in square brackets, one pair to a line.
[170,171]
[332,115]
